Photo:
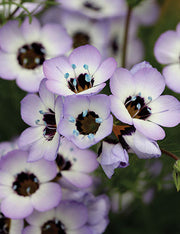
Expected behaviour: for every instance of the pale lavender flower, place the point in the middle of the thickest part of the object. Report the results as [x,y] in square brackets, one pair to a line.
[136,100]
[74,164]
[69,217]
[7,146]
[24,49]
[81,74]
[167,51]
[43,113]
[26,186]
[87,119]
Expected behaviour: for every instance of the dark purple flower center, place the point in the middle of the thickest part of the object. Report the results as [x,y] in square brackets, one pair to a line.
[87,123]
[80,39]
[63,164]
[53,227]
[25,184]
[80,83]
[50,129]
[92,6]
[31,56]
[4,224]
[137,107]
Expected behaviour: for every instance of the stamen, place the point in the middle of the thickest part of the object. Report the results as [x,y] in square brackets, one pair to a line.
[73,66]
[37,60]
[91,136]
[43,50]
[15,187]
[37,121]
[41,112]
[149,110]
[133,98]
[85,66]
[87,78]
[74,82]
[139,94]
[66,75]
[25,61]
[74,159]
[138,106]
[23,51]
[84,113]
[150,98]
[71,119]
[28,190]
[35,180]
[98,120]
[75,132]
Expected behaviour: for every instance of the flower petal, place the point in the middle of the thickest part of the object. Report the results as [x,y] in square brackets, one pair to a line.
[172,77]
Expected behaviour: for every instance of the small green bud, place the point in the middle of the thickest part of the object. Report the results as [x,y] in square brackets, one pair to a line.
[176,174]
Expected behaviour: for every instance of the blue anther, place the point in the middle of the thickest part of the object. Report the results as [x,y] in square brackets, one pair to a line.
[139,94]
[84,113]
[138,106]
[133,98]
[149,110]
[71,149]
[71,119]
[74,159]
[74,82]
[37,121]
[91,136]
[87,78]
[73,66]
[85,66]
[66,75]
[41,112]
[98,120]
[150,98]
[75,132]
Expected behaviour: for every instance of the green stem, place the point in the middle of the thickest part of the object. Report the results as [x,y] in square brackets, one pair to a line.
[169,154]
[127,23]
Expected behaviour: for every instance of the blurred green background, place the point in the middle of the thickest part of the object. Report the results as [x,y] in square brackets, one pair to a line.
[162,214]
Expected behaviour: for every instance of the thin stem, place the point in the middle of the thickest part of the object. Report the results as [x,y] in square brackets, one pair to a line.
[127,23]
[169,154]
[14,12]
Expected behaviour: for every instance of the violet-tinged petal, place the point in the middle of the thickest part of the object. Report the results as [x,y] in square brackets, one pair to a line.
[10,37]
[85,161]
[16,207]
[58,109]
[72,214]
[55,68]
[5,191]
[88,55]
[32,229]
[93,90]
[172,77]
[31,30]
[105,71]
[39,218]
[31,106]
[122,84]
[6,178]
[149,82]
[55,39]
[119,110]
[140,66]
[167,48]
[100,104]
[43,169]
[9,66]
[58,88]
[165,111]
[46,197]
[82,230]
[78,179]
[17,226]
[29,136]
[149,129]
[46,96]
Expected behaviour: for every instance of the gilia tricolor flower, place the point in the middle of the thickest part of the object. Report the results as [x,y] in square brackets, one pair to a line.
[87,119]
[81,74]
[167,51]
[136,100]
[42,113]
[26,186]
[114,154]
[25,48]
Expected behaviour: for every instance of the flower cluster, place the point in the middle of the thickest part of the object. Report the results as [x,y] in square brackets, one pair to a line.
[65,68]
